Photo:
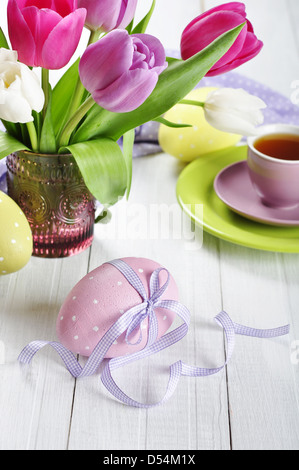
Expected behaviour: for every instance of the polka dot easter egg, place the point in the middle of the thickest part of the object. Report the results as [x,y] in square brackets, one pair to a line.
[189,143]
[15,236]
[98,301]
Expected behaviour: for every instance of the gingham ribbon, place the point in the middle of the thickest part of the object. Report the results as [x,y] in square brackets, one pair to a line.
[131,320]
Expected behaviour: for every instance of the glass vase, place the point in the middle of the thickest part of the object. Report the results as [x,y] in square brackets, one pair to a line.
[52,194]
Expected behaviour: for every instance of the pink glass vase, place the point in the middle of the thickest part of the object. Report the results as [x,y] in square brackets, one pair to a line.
[52,194]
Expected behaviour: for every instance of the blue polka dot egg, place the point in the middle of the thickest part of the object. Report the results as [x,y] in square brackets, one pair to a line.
[15,236]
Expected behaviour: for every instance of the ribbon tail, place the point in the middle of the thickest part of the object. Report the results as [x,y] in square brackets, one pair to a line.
[67,356]
[113,388]
[164,342]
[272,333]
[231,329]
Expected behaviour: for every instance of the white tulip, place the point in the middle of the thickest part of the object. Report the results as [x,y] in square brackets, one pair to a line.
[234,110]
[20,90]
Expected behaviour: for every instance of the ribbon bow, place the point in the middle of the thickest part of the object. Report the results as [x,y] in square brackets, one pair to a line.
[131,320]
[149,304]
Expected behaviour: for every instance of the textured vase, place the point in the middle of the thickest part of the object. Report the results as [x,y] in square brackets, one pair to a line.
[52,194]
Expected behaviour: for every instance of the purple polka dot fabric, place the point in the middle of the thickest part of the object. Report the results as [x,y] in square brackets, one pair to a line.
[279,109]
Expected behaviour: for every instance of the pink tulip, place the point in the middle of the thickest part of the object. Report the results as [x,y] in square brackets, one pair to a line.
[121,70]
[45,33]
[106,15]
[204,29]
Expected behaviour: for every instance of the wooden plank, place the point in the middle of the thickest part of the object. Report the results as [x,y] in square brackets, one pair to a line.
[262,390]
[35,401]
[290,265]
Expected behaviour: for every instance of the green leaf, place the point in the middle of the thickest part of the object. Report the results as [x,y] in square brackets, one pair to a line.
[62,96]
[12,128]
[104,217]
[173,85]
[130,26]
[167,123]
[172,60]
[142,26]
[47,138]
[128,143]
[25,138]
[37,123]
[3,41]
[103,168]
[9,144]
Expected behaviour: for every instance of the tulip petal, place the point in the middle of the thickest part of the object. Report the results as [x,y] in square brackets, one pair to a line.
[101,14]
[236,7]
[35,3]
[203,33]
[154,44]
[20,35]
[127,13]
[105,61]
[251,49]
[237,124]
[234,110]
[6,55]
[252,46]
[40,23]
[128,92]
[63,40]
[31,89]
[15,107]
[235,98]
[64,7]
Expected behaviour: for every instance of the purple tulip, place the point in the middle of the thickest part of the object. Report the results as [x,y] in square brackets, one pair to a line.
[106,15]
[121,70]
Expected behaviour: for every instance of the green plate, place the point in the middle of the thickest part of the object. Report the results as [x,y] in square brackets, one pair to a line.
[196,186]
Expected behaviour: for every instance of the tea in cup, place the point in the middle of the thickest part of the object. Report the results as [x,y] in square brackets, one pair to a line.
[273,161]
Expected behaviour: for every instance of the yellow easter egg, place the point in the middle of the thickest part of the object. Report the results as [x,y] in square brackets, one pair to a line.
[15,236]
[189,143]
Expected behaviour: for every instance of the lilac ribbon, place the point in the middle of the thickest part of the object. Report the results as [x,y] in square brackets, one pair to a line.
[131,320]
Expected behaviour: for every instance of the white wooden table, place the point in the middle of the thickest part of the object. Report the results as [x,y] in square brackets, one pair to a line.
[253,404]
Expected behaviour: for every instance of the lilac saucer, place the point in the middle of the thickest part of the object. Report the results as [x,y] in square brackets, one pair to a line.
[233,186]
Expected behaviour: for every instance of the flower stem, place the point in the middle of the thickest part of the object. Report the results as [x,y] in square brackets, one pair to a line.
[74,121]
[45,87]
[79,89]
[33,136]
[193,103]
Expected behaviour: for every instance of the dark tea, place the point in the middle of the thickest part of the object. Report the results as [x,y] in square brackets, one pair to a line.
[280,146]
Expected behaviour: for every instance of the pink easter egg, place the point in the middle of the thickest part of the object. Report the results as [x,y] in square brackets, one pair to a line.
[100,298]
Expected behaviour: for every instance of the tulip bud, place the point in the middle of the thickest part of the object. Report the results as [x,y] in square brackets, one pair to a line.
[45,37]
[204,29]
[106,15]
[234,110]
[20,91]
[121,70]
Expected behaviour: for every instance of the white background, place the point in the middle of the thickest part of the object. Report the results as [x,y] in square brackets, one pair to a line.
[254,403]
